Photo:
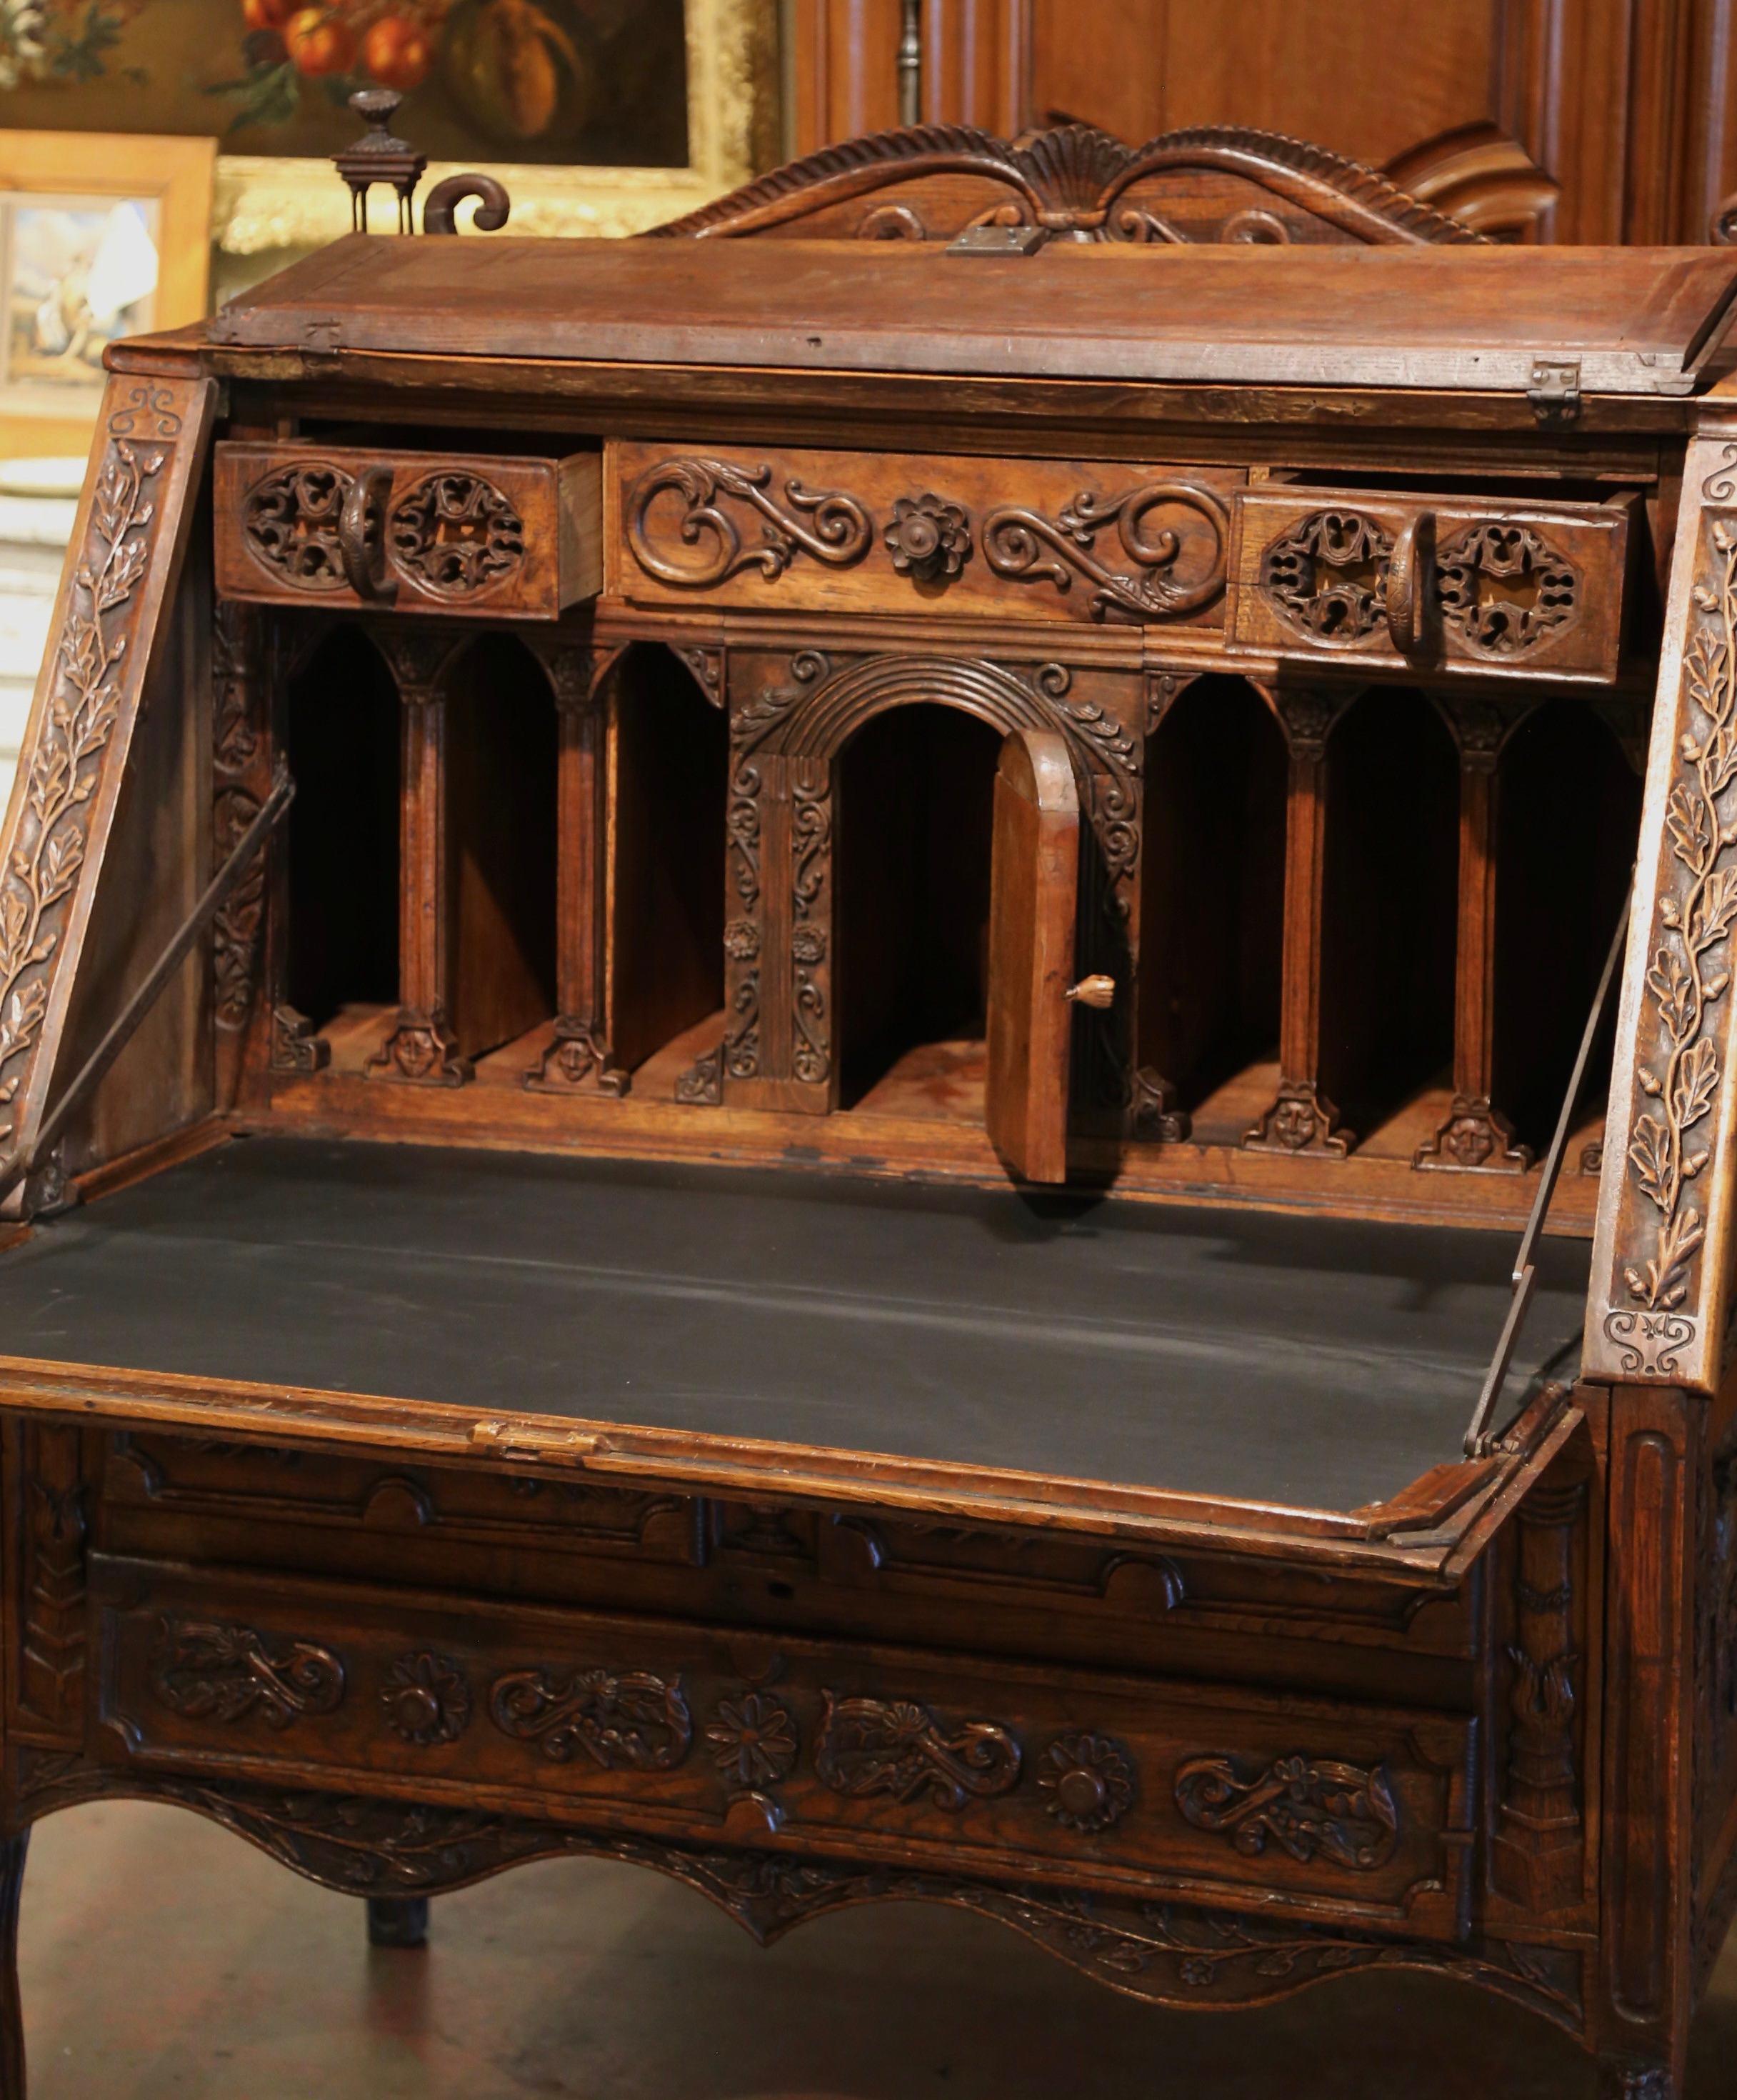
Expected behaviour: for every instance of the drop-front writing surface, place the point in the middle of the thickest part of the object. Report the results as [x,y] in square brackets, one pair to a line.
[831,1211]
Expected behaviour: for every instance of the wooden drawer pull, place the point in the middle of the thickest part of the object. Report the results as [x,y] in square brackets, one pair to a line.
[362,536]
[1411,584]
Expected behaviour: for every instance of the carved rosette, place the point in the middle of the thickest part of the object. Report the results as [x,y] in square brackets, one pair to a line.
[426,1700]
[455,534]
[289,524]
[1176,568]
[626,1720]
[1678,1064]
[753,1742]
[714,499]
[1505,590]
[204,1670]
[1327,576]
[896,1747]
[1312,1810]
[1087,1783]
[928,538]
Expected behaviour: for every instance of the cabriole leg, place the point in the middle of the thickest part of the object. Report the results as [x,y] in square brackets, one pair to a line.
[395,1921]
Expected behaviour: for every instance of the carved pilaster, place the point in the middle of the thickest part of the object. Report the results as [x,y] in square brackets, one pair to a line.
[53,1515]
[1302,1118]
[1536,1853]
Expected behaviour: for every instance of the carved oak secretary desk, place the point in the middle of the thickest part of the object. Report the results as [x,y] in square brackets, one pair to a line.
[774,1014]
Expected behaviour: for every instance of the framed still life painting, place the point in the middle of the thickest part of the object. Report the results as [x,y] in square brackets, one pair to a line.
[100,236]
[602,116]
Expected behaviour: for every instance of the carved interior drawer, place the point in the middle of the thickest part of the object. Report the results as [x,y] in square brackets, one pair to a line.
[428,532]
[689,1731]
[1491,587]
[886,532]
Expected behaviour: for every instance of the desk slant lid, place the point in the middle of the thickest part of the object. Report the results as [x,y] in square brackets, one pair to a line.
[1638,320]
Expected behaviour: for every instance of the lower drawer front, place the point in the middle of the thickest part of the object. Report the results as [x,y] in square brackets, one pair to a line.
[703,1732]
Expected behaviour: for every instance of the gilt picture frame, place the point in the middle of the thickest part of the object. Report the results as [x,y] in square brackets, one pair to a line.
[101,235]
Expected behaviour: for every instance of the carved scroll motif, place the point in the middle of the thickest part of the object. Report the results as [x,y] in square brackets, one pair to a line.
[631,1719]
[62,771]
[869,1746]
[1342,1812]
[1505,590]
[841,533]
[1678,1066]
[1029,548]
[289,523]
[1327,576]
[455,533]
[207,1671]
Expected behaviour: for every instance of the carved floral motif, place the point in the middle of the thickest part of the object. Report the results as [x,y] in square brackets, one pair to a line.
[1679,1068]
[1342,1812]
[869,1746]
[84,700]
[289,523]
[207,1671]
[928,537]
[1028,547]
[1328,575]
[1087,1782]
[629,1719]
[455,533]
[1505,590]
[753,1742]
[426,1700]
[841,533]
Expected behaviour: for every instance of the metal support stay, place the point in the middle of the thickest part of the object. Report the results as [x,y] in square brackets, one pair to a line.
[20,1160]
[1480,1439]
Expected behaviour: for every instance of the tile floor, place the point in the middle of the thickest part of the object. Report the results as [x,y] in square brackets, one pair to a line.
[164,1959]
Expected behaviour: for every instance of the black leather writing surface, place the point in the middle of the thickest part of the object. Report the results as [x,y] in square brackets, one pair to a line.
[1278,1358]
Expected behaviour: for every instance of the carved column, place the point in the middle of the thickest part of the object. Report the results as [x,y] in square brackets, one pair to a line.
[1474,1136]
[1658,1471]
[421,1047]
[1302,1118]
[579,1057]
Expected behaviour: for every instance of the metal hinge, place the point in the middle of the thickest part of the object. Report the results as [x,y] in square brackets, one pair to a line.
[1555,389]
[999,241]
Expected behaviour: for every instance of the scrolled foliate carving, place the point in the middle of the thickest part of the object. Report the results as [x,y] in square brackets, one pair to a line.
[628,1719]
[1505,590]
[1341,1812]
[204,1670]
[1087,1782]
[1678,1064]
[896,1747]
[1327,575]
[1027,547]
[426,1700]
[63,768]
[455,533]
[235,929]
[928,537]
[289,524]
[828,525]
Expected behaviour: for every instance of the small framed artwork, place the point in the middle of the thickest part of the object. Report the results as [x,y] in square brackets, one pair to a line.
[101,235]
[602,116]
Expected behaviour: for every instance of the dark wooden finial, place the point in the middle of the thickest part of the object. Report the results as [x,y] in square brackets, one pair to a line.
[378,157]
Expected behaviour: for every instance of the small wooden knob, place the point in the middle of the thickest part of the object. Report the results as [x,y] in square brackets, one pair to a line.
[1094,991]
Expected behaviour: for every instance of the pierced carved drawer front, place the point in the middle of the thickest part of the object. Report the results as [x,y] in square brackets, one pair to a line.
[1491,589]
[697,1732]
[425,532]
[1041,540]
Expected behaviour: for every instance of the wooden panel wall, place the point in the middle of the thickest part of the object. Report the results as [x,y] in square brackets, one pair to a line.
[1630,104]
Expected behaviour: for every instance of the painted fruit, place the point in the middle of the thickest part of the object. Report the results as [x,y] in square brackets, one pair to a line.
[318,41]
[397,52]
[525,72]
[266,13]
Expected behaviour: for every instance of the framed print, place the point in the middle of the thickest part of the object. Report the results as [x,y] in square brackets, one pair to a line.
[600,115]
[100,236]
